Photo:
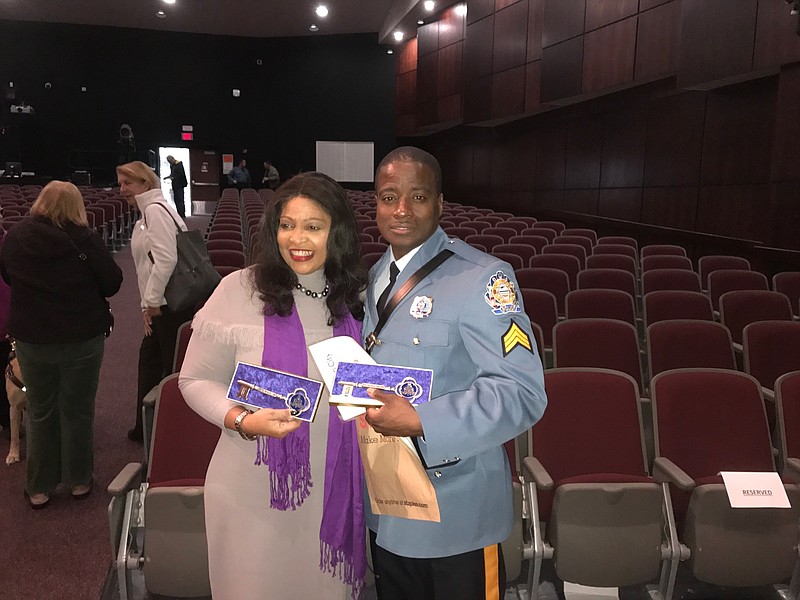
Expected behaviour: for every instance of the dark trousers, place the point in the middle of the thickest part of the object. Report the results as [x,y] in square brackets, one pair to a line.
[157,352]
[61,380]
[476,575]
[177,196]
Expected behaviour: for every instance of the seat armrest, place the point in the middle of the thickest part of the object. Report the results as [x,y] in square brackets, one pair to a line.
[151,397]
[791,470]
[535,471]
[126,480]
[738,348]
[666,471]
[768,394]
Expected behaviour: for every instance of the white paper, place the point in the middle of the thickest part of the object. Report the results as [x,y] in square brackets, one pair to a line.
[327,354]
[755,489]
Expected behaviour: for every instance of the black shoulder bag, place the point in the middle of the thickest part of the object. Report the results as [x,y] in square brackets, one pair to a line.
[194,277]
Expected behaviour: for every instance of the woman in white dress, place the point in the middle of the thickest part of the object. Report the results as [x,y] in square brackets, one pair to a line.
[283,499]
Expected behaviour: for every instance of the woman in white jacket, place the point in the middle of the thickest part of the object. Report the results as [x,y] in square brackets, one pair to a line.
[155,255]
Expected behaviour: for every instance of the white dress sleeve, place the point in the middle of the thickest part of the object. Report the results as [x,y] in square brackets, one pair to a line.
[229,328]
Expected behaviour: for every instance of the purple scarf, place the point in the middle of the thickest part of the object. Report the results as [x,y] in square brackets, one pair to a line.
[342,532]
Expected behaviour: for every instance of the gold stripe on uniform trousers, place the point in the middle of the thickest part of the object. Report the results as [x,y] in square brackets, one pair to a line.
[491,569]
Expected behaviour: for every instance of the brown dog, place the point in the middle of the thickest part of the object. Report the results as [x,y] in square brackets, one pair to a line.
[18,400]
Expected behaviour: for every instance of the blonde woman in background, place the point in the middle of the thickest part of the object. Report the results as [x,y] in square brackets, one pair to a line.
[155,254]
[60,274]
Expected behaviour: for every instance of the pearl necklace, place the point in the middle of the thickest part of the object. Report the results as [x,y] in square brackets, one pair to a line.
[308,292]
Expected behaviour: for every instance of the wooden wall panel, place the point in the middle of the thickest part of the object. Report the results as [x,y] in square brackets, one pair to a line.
[785,155]
[427,77]
[406,124]
[478,100]
[501,170]
[621,203]
[738,133]
[448,109]
[562,67]
[533,85]
[670,207]
[648,4]
[675,140]
[428,38]
[478,9]
[450,69]
[582,201]
[547,200]
[584,148]
[777,42]
[501,4]
[427,112]
[551,145]
[508,93]
[604,12]
[624,137]
[407,57]
[535,24]
[657,41]
[478,49]
[739,211]
[406,99]
[510,37]
[609,55]
[563,19]
[523,162]
[451,28]
[786,217]
[717,38]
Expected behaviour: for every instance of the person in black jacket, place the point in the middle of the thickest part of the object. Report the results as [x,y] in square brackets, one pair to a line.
[60,275]
[178,176]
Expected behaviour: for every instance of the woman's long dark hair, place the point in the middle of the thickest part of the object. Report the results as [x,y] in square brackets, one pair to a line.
[347,277]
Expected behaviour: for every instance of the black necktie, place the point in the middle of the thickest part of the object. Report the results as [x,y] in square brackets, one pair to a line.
[393,271]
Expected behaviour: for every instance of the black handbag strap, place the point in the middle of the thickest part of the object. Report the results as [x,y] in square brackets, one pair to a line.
[388,309]
[162,205]
[144,217]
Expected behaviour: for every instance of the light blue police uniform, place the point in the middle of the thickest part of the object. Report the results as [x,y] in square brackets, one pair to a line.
[465,321]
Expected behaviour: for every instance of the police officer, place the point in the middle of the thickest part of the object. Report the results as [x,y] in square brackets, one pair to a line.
[465,321]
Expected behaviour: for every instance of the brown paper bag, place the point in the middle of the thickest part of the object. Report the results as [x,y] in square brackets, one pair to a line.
[397,483]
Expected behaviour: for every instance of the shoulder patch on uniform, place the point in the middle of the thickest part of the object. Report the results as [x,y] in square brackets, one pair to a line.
[515,336]
[501,295]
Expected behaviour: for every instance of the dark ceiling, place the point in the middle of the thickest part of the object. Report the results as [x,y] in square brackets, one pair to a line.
[251,18]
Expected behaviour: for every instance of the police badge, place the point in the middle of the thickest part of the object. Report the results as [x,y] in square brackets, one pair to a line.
[501,295]
[421,307]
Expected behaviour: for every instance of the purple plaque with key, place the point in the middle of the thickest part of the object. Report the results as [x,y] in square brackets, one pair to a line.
[353,379]
[261,387]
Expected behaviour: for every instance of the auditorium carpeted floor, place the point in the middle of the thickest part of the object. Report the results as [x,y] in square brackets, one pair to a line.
[64,551]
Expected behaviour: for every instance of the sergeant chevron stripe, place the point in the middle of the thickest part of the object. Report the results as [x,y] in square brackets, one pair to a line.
[515,336]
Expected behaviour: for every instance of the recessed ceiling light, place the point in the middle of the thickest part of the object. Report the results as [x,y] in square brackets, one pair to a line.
[390,51]
[313,28]
[398,36]
[429,5]
[420,22]
[161,14]
[169,1]
[322,11]
[461,10]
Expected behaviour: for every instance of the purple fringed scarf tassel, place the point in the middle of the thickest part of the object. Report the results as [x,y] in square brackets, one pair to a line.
[342,532]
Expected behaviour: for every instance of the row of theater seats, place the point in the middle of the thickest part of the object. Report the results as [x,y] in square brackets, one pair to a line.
[590,295]
[597,504]
[233,227]
[107,212]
